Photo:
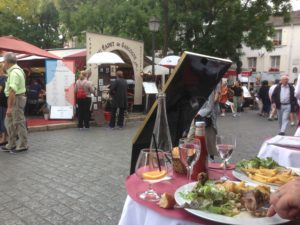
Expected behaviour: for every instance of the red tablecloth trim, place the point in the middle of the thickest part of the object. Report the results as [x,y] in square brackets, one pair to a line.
[134,186]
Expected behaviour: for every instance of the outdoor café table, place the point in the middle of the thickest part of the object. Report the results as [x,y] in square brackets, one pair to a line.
[285,150]
[139,212]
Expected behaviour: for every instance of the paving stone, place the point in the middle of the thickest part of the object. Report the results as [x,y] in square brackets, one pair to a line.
[77,178]
[14,222]
[12,205]
[22,212]
[74,217]
[55,219]
[61,209]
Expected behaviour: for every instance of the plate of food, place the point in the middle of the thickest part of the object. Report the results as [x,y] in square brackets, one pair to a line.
[264,171]
[227,202]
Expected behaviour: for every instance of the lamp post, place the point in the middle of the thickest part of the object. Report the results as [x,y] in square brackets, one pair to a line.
[153,27]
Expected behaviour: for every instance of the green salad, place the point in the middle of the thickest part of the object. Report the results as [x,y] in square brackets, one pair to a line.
[256,163]
[213,198]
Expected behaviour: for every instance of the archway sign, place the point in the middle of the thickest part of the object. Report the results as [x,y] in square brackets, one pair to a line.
[101,75]
[133,49]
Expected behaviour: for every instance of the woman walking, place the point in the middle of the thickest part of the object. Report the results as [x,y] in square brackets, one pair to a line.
[237,97]
[263,94]
[223,98]
[3,106]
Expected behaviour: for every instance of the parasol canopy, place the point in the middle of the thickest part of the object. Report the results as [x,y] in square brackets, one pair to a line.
[13,44]
[105,58]
[169,61]
[158,70]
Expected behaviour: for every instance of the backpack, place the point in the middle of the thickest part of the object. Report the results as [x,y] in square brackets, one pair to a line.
[81,92]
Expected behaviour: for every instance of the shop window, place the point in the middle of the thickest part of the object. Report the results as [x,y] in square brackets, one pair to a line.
[275,63]
[277,38]
[252,63]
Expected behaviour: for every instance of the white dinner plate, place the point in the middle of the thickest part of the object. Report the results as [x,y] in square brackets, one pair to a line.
[243,177]
[244,218]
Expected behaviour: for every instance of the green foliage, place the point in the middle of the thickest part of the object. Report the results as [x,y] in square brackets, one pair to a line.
[214,27]
[220,27]
[36,22]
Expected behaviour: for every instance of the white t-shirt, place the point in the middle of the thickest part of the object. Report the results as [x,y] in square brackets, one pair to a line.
[297,90]
[271,90]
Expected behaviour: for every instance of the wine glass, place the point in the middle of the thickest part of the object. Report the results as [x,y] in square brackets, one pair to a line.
[225,144]
[189,152]
[151,167]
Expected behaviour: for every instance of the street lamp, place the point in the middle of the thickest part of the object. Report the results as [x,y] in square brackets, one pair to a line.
[153,27]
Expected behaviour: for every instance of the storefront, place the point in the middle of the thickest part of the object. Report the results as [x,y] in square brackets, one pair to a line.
[132,53]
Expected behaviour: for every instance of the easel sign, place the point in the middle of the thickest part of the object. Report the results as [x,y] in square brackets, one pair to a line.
[61,112]
[150,88]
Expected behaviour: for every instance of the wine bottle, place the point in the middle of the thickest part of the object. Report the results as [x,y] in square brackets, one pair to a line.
[201,164]
[161,131]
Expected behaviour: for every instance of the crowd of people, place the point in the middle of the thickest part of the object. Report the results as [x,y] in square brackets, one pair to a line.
[275,100]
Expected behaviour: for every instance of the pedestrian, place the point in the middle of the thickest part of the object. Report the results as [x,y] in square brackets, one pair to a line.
[237,98]
[273,112]
[297,95]
[3,105]
[208,114]
[223,98]
[90,94]
[257,100]
[15,119]
[283,97]
[118,92]
[83,89]
[33,98]
[263,95]
[294,109]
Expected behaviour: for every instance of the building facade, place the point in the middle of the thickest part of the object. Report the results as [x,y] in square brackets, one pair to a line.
[284,59]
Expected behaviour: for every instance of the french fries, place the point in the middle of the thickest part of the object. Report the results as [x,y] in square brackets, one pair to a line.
[273,176]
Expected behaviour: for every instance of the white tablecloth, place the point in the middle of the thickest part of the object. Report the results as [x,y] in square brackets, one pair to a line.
[285,155]
[137,214]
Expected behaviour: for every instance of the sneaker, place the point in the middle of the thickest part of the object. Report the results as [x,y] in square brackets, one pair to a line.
[270,119]
[6,149]
[292,123]
[19,149]
[223,114]
[234,115]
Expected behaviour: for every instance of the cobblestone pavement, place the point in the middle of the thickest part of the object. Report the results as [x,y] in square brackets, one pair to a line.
[77,177]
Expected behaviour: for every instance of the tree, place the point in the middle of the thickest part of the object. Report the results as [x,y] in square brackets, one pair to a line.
[128,19]
[220,27]
[35,21]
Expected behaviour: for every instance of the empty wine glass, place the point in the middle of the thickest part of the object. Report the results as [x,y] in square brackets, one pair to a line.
[151,168]
[189,152]
[225,145]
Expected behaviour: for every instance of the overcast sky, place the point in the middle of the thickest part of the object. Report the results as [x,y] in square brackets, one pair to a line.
[296,4]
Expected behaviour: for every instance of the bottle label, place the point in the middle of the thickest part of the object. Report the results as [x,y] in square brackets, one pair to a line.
[200,132]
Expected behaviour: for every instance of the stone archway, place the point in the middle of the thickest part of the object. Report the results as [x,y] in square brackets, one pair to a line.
[133,49]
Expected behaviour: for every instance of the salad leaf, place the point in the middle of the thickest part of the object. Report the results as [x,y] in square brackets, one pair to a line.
[256,163]
[212,198]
